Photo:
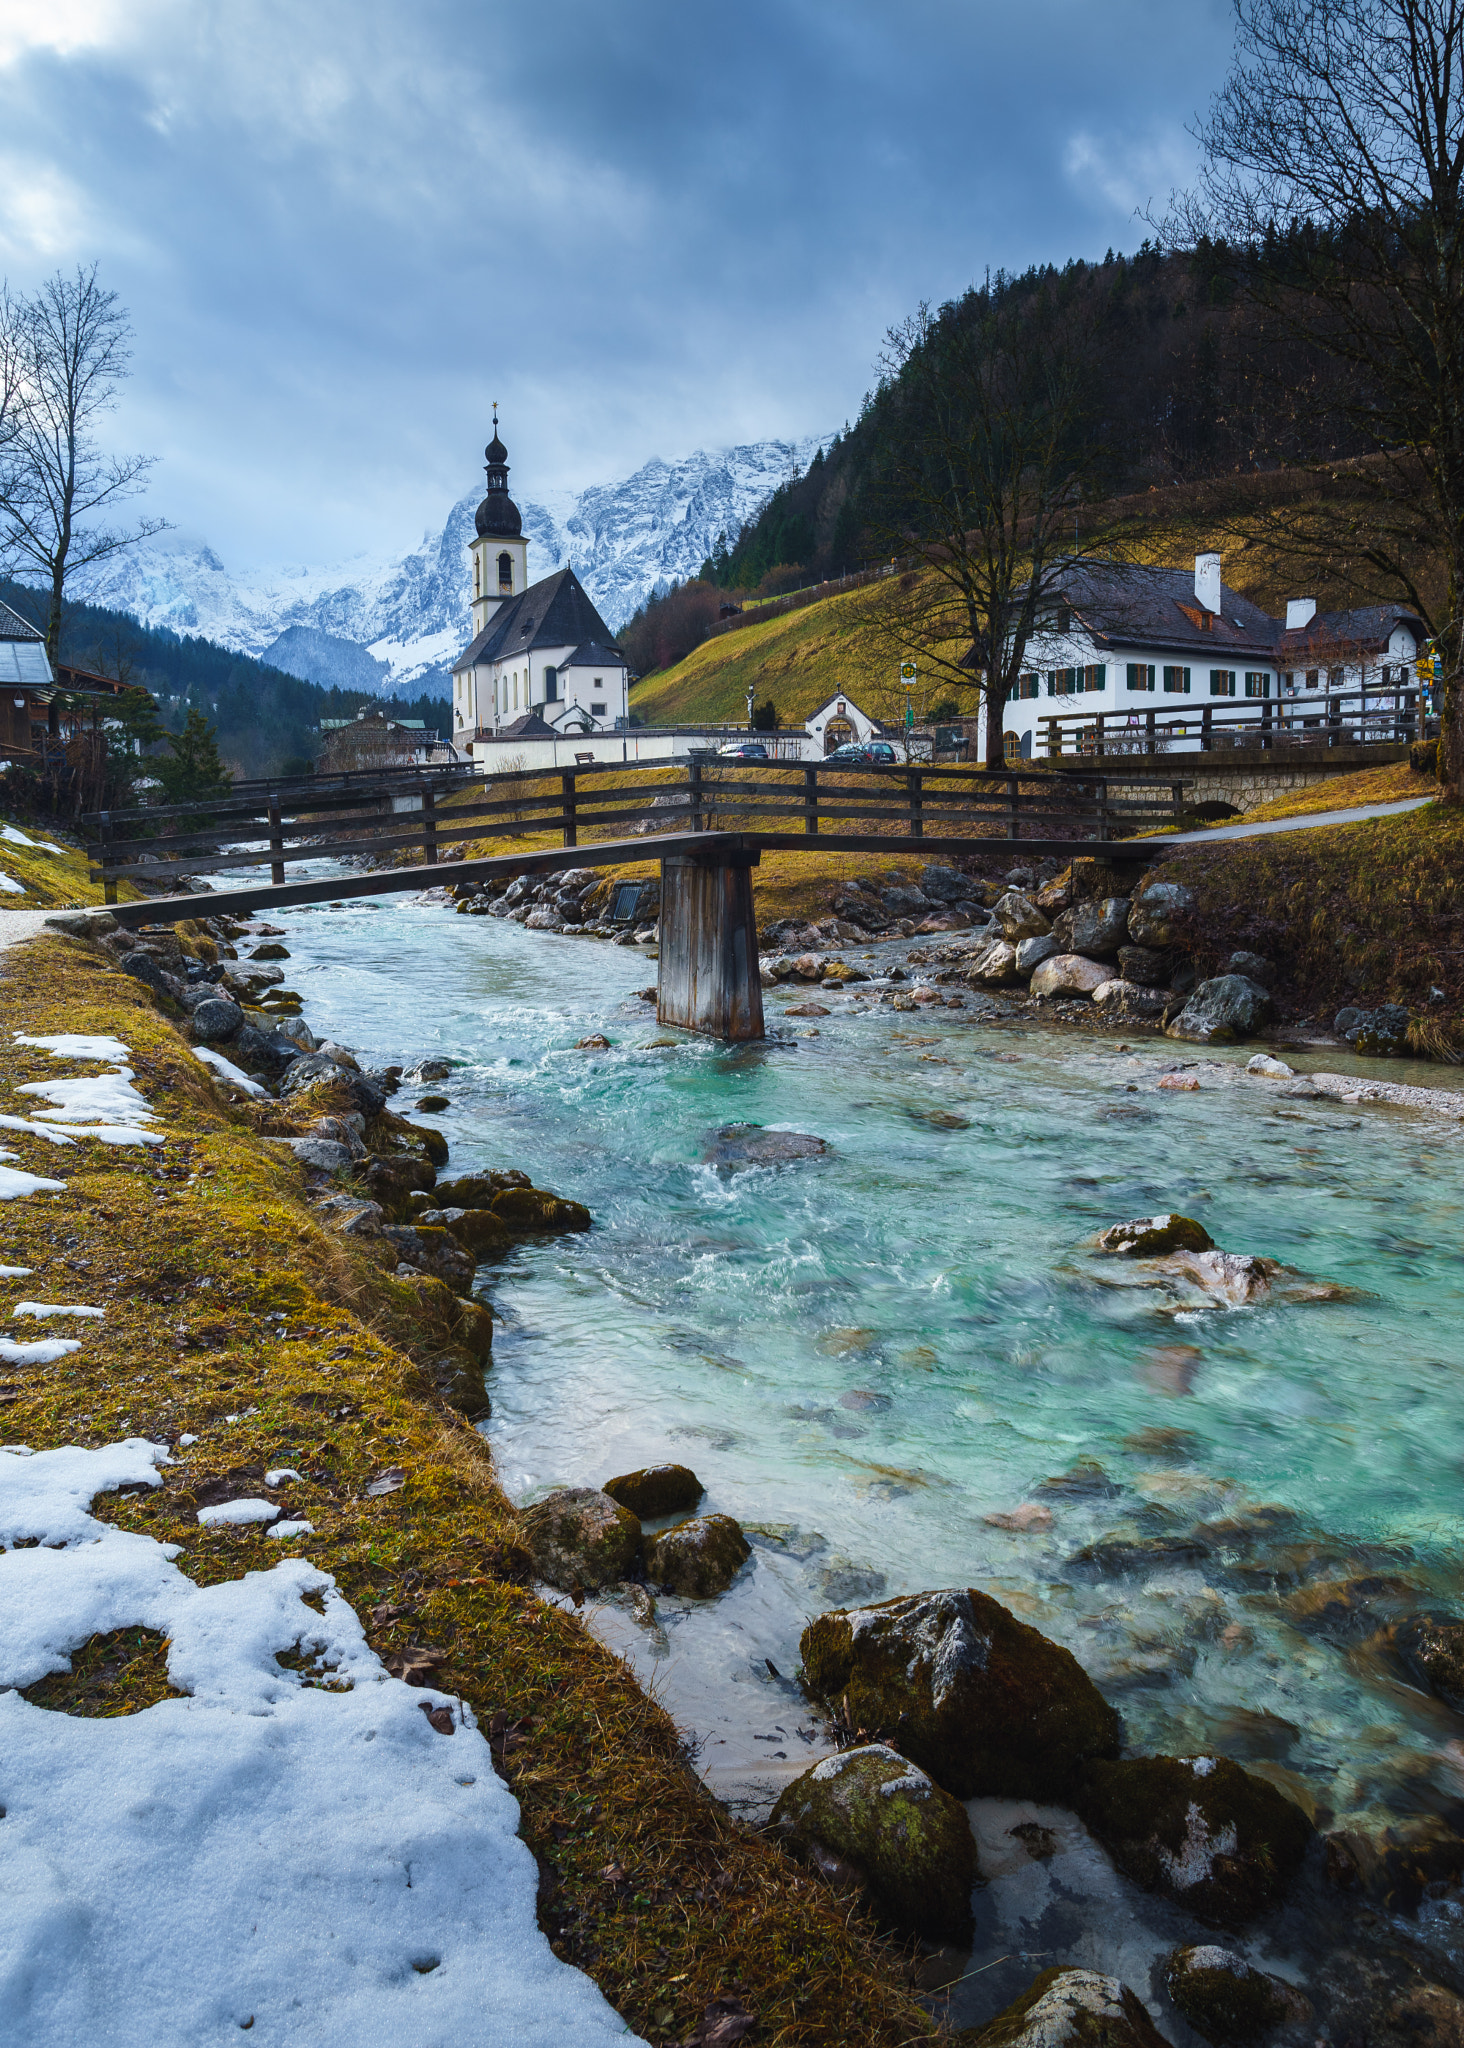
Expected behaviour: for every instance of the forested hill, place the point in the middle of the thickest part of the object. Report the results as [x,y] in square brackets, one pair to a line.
[265,719]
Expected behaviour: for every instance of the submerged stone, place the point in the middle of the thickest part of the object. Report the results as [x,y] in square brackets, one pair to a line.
[1151,1237]
[699,1558]
[526,1210]
[1198,1829]
[580,1537]
[985,1704]
[1434,1649]
[656,1490]
[870,1817]
[1069,2008]
[751,1145]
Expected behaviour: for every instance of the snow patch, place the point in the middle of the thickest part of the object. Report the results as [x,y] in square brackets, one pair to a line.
[79,1045]
[283,1530]
[54,1308]
[14,1183]
[91,1099]
[227,1071]
[45,1352]
[279,1474]
[10,886]
[15,1272]
[228,1511]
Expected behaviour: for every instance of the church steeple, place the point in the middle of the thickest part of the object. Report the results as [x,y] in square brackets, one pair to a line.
[500,553]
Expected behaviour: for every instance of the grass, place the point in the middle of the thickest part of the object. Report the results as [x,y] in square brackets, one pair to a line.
[50,880]
[1386,785]
[1362,913]
[232,1313]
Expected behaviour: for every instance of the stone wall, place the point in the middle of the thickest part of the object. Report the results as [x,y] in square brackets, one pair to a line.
[1252,776]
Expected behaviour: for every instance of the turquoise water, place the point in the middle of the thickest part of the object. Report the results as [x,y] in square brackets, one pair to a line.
[865,1355]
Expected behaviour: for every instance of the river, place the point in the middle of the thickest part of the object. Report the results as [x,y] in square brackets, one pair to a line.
[867,1355]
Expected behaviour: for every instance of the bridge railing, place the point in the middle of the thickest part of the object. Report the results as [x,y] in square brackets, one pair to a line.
[908,802]
[1380,715]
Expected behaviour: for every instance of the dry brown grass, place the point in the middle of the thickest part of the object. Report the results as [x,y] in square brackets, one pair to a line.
[648,1884]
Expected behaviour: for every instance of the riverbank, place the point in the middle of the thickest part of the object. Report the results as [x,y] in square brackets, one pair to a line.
[248,1335]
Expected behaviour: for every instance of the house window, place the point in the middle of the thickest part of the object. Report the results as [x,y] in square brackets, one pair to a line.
[1222,682]
[1095,676]
[505,571]
[1177,681]
[551,686]
[1028,685]
[1064,682]
[1313,678]
[1336,677]
[1257,683]
[1141,675]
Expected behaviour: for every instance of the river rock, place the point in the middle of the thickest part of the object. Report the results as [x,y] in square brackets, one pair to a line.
[580,1537]
[1254,966]
[144,967]
[1225,1999]
[1032,952]
[751,1145]
[324,1154]
[1380,1031]
[1153,1237]
[392,1182]
[1069,974]
[994,966]
[1198,1829]
[1157,912]
[872,1814]
[479,1231]
[216,1021]
[1019,917]
[478,1190]
[1069,2008]
[1130,1002]
[528,1211]
[1268,1068]
[431,1249]
[985,1704]
[1219,1011]
[944,885]
[1433,1647]
[902,901]
[1096,926]
[1145,965]
[699,1558]
[656,1490]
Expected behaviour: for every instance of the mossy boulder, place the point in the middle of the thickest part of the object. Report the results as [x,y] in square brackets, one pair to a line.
[656,1490]
[1225,1999]
[1433,1648]
[983,1703]
[579,1537]
[392,1183]
[1199,1829]
[1155,1237]
[871,1817]
[524,1211]
[431,1249]
[473,1326]
[699,1558]
[478,1230]
[477,1190]
[394,1137]
[1069,2008]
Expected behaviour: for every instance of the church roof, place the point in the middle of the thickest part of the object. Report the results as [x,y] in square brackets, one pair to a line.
[555,612]
[530,727]
[596,654]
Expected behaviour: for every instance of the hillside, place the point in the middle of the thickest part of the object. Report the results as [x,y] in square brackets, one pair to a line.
[800,658]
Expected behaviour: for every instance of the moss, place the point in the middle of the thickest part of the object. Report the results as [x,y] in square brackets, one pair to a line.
[1153,1237]
[1201,1830]
[907,1841]
[987,1705]
[1223,1998]
[1069,2008]
[656,1490]
[528,1210]
[190,1248]
[699,1558]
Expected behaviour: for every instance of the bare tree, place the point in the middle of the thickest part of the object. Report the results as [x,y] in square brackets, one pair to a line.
[65,352]
[1349,115]
[990,451]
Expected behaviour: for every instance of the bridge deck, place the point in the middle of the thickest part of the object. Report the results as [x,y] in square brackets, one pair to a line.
[712,848]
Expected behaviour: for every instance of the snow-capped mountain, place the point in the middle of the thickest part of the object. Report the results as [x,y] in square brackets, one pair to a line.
[395,625]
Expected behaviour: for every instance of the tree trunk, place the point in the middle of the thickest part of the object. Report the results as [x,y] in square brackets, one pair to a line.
[53,615]
[995,725]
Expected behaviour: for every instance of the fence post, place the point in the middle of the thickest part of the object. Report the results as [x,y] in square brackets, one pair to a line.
[1011,786]
[276,842]
[1102,792]
[571,829]
[694,786]
[917,822]
[109,880]
[1151,743]
[429,825]
[810,802]
[1177,791]
[1207,728]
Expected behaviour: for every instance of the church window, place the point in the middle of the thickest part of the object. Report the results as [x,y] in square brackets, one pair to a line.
[551,685]
[597,711]
[505,571]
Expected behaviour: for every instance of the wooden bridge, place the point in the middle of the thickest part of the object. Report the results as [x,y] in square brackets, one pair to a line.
[707,823]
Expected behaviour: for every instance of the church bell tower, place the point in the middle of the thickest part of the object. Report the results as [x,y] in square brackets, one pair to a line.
[500,552]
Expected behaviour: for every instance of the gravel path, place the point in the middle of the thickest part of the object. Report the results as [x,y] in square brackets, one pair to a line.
[1303,824]
[16,925]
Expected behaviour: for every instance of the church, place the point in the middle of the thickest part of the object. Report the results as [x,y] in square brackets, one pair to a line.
[541,659]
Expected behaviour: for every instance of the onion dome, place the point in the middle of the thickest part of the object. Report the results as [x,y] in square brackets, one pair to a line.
[498,517]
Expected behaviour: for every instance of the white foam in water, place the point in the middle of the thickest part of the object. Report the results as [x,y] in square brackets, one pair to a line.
[300,1856]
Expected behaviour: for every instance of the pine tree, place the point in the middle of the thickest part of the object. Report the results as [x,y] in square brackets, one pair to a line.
[193,772]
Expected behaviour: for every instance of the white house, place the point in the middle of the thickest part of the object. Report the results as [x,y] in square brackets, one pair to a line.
[1170,659]
[538,650]
[836,723]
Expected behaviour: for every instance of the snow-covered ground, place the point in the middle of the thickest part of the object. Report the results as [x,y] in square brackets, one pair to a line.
[302,1855]
[410,612]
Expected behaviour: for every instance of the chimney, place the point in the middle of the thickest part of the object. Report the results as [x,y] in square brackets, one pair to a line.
[1300,611]
[1207,582]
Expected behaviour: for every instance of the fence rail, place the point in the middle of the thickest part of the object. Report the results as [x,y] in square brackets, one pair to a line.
[942,803]
[1378,716]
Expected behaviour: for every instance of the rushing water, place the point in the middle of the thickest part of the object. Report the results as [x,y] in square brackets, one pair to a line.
[866,1355]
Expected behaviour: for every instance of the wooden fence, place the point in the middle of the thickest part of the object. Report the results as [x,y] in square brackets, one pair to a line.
[907,803]
[1376,716]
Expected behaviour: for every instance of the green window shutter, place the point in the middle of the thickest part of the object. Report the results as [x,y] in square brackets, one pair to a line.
[1052,682]
[1186,682]
[1133,676]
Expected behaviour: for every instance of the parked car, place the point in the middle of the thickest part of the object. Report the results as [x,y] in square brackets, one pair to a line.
[866,753]
[745,750]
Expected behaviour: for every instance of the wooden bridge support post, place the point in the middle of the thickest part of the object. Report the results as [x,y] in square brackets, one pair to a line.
[709,980]
[109,880]
[276,843]
[429,826]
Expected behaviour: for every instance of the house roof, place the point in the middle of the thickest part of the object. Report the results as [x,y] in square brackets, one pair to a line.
[22,652]
[839,697]
[530,727]
[1346,635]
[555,612]
[1125,604]
[596,654]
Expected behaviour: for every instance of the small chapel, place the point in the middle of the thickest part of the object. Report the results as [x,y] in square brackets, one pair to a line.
[541,659]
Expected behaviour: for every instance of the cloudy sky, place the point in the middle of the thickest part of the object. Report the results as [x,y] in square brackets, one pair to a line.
[341,230]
